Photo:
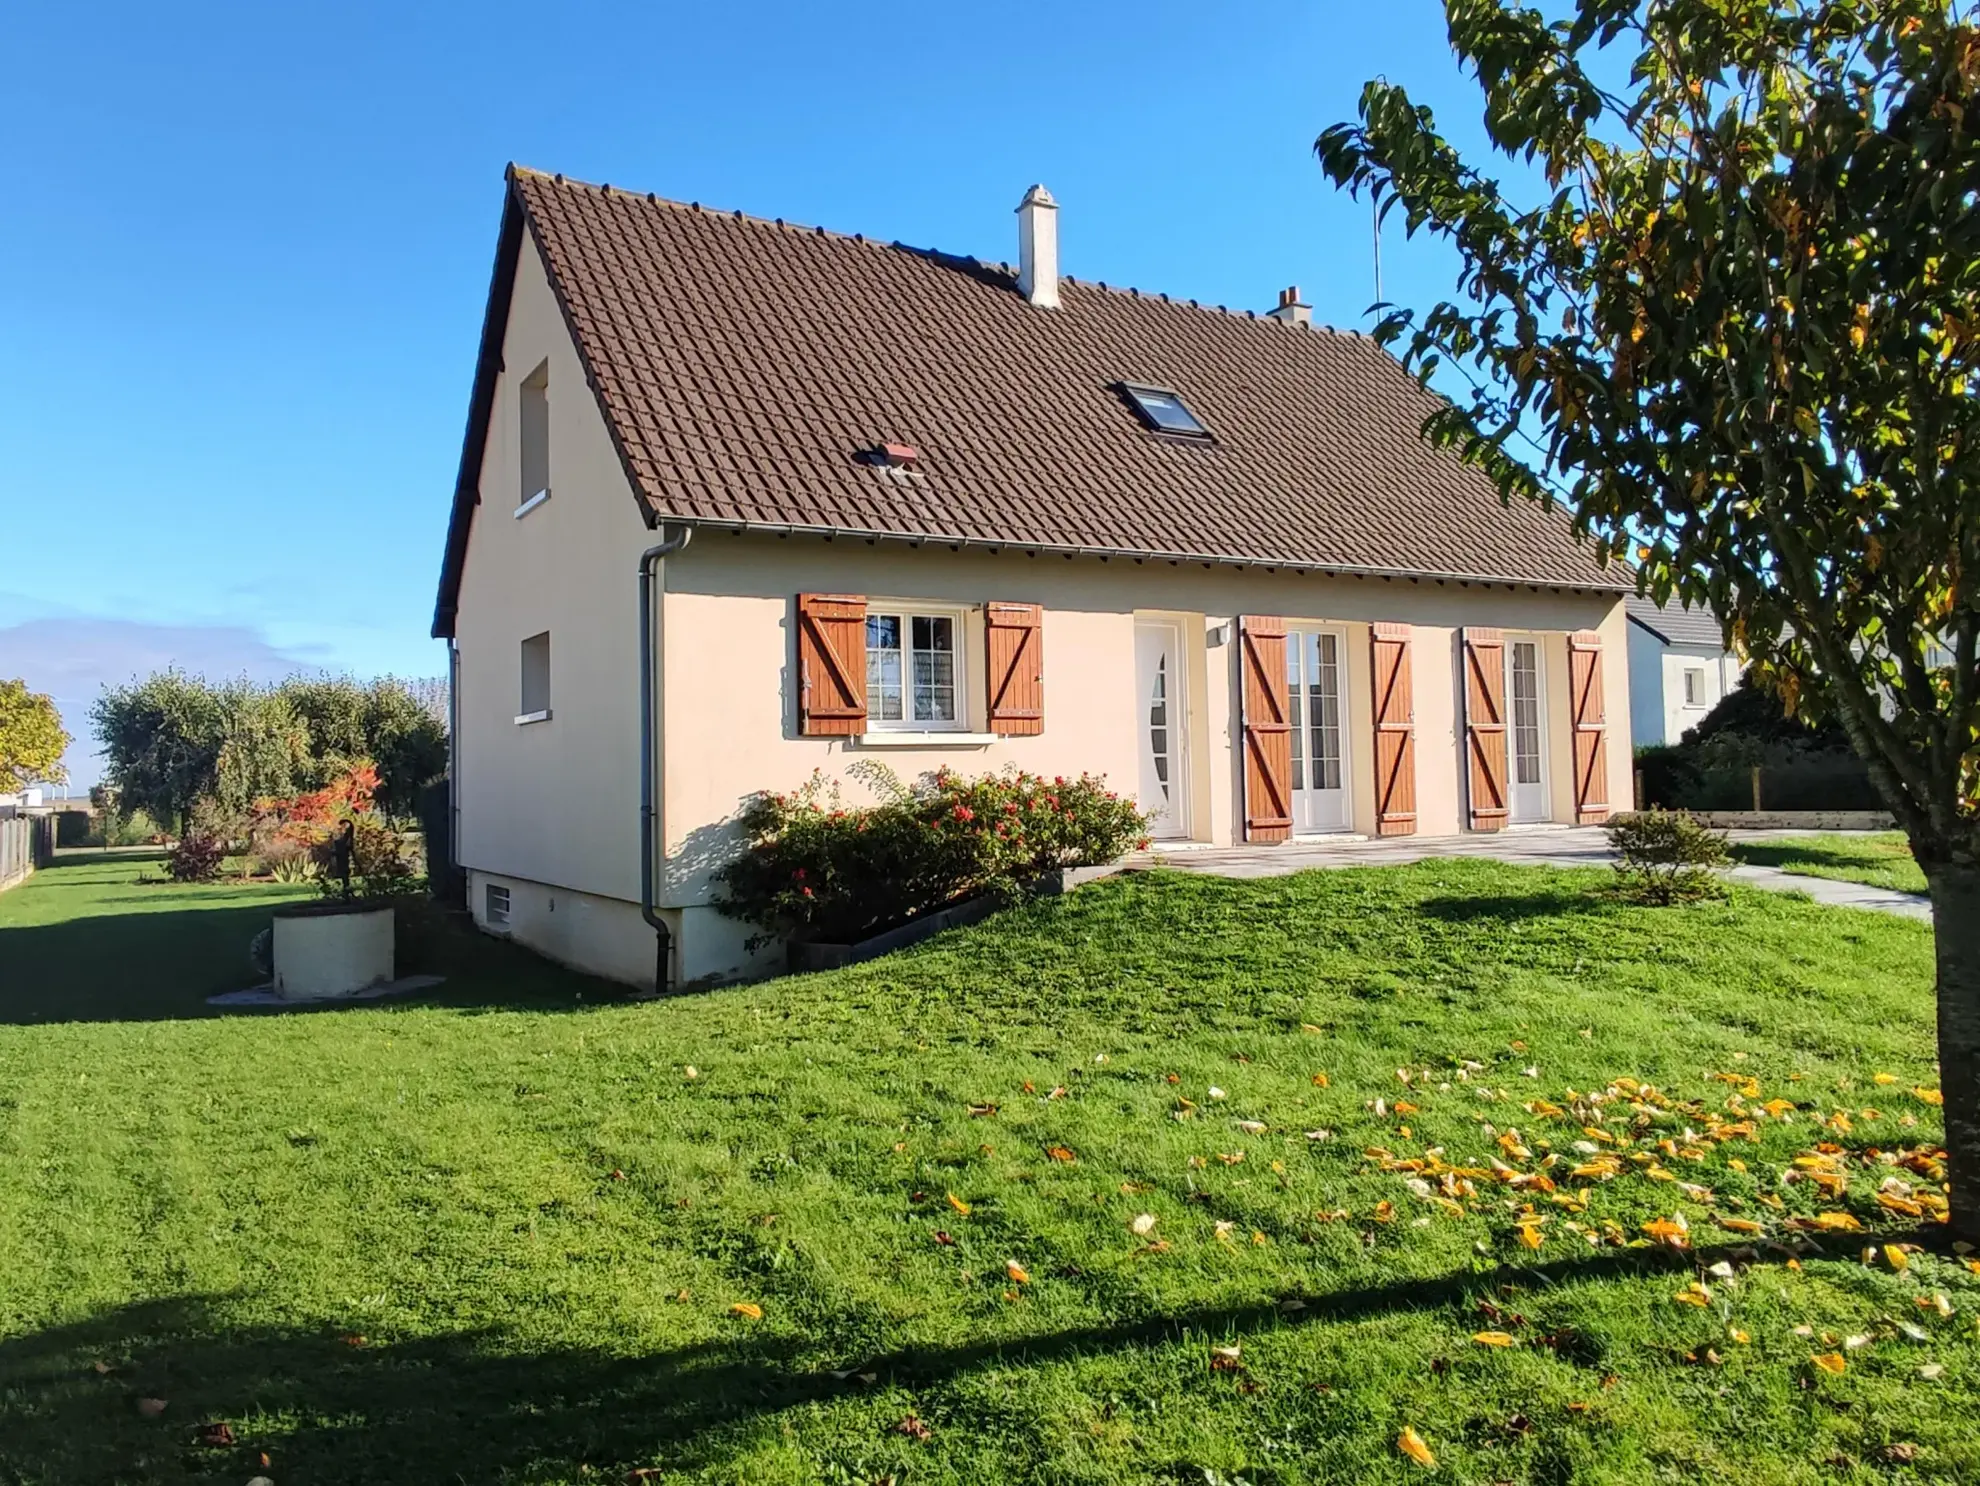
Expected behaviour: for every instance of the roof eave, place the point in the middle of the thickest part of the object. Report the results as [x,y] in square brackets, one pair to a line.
[481,402]
[958,541]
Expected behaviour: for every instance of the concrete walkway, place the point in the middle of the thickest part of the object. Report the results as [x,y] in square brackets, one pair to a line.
[1557,846]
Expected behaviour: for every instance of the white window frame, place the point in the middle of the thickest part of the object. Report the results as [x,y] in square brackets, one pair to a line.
[907,611]
[533,407]
[526,713]
[1691,674]
[496,918]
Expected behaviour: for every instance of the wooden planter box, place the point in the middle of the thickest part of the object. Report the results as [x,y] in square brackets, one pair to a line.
[807,955]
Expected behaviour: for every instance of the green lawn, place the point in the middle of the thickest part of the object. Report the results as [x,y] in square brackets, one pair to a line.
[1880,858]
[500,1234]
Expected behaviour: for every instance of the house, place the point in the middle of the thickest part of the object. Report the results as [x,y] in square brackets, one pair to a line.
[740,500]
[1679,667]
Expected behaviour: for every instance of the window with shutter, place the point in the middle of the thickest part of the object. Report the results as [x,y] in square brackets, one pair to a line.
[1267,730]
[1015,642]
[1485,726]
[831,656]
[1591,753]
[1395,731]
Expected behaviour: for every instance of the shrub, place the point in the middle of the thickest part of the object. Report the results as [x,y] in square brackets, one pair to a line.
[196,858]
[299,839]
[1666,856]
[379,865]
[817,869]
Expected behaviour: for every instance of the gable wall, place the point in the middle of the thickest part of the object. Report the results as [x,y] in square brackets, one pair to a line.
[556,801]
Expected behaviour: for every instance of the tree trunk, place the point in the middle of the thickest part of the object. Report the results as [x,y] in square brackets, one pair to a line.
[1956,931]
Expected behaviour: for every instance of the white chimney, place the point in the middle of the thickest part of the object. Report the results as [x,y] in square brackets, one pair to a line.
[1290,309]
[1038,248]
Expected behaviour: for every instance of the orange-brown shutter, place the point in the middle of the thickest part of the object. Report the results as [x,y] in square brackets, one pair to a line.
[831,664]
[1395,731]
[1591,752]
[1267,730]
[1485,725]
[1015,638]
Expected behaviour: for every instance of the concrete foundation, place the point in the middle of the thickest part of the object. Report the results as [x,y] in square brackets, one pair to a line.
[322,955]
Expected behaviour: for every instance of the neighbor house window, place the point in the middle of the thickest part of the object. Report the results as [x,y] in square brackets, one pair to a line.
[914,668]
[1694,686]
[535,679]
[535,438]
[498,907]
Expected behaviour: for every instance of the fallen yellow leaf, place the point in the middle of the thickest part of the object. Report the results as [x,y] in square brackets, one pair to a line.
[1016,1271]
[747,1308]
[1494,1339]
[1895,1257]
[1930,1096]
[958,1204]
[1884,1078]
[1060,1153]
[1830,1362]
[1411,1444]
[1742,1225]
[1737,1335]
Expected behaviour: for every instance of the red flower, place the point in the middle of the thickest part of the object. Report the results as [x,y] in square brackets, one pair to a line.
[1143,844]
[1010,807]
[809,894]
[963,812]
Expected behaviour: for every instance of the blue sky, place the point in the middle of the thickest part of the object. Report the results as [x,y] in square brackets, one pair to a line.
[247,247]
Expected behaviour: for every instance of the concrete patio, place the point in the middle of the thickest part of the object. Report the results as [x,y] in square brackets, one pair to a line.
[1552,846]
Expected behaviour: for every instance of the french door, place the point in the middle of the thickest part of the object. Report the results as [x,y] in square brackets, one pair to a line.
[1160,723]
[1526,735]
[1315,661]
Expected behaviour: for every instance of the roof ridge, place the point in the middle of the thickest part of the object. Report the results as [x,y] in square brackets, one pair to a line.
[737,214]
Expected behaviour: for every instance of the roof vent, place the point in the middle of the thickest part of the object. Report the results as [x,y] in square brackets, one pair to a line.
[1290,309]
[893,456]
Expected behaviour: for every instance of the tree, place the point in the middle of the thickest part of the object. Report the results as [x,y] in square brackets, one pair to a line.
[161,740]
[32,741]
[384,722]
[1733,323]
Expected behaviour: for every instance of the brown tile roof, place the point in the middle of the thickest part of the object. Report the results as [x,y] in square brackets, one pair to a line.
[746,366]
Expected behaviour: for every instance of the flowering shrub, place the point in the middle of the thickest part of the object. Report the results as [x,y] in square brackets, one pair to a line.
[196,858]
[298,837]
[818,869]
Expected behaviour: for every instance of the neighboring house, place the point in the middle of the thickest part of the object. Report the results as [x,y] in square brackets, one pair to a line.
[926,510]
[1679,667]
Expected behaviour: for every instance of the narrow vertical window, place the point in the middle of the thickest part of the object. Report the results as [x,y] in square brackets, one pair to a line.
[535,679]
[535,436]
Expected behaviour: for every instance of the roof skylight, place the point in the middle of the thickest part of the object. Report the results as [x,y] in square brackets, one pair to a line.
[1163,411]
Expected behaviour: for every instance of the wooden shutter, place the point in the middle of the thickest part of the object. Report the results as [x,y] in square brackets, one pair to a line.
[1267,730]
[1015,638]
[1395,731]
[1485,726]
[1591,752]
[831,652]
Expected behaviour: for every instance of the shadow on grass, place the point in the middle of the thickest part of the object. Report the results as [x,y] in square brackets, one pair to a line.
[162,965]
[481,1405]
[1551,903]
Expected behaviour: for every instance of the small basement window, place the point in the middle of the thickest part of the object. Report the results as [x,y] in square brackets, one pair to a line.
[535,679]
[497,912]
[1694,686]
[1163,411]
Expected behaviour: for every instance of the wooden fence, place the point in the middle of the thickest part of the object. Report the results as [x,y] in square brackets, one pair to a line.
[26,842]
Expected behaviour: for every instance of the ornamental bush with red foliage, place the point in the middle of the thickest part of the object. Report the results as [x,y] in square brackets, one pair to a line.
[196,858]
[818,869]
[306,827]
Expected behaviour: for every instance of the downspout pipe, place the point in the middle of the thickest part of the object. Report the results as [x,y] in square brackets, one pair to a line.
[677,537]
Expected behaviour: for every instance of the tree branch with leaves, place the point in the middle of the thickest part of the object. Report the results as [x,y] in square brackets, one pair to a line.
[1737,315]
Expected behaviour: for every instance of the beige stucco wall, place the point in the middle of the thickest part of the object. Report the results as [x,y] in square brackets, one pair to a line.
[550,809]
[554,801]
[731,724]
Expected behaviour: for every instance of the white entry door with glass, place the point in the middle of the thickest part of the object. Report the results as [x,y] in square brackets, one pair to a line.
[1315,662]
[1526,735]
[1161,722]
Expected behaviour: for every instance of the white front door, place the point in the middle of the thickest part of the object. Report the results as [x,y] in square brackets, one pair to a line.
[1319,759]
[1160,723]
[1526,734]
